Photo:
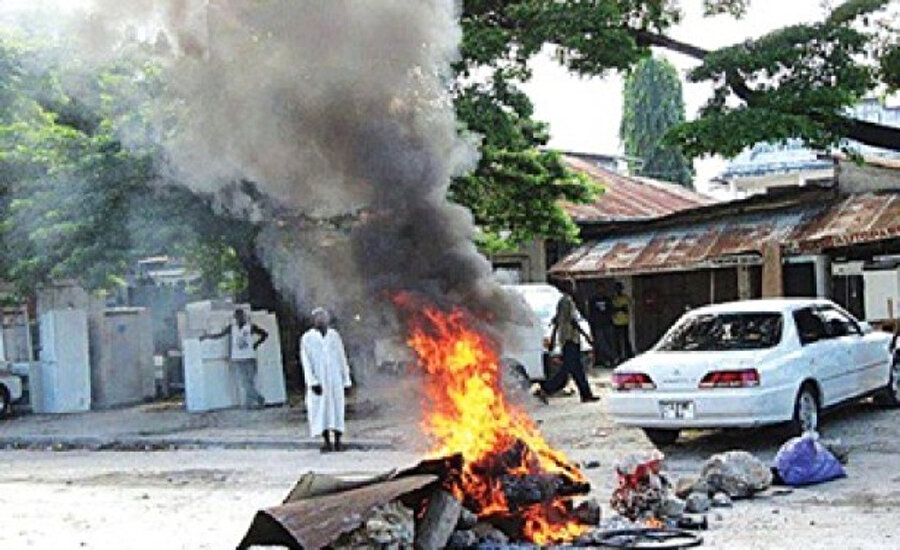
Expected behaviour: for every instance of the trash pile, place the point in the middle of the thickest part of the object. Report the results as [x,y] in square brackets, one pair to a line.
[412,508]
[417,508]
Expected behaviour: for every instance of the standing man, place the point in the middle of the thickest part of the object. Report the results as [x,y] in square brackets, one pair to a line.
[327,376]
[569,333]
[243,354]
[622,305]
[601,318]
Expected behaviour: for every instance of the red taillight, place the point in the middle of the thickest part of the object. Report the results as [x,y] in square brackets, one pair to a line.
[731,379]
[624,381]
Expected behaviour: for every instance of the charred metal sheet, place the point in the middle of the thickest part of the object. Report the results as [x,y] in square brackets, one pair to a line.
[316,522]
[311,485]
[629,198]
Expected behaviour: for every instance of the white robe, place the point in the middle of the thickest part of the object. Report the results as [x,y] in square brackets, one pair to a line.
[324,364]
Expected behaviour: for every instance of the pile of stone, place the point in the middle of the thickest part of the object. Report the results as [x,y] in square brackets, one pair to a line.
[645,494]
[724,477]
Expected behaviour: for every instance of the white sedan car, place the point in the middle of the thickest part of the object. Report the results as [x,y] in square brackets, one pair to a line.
[754,363]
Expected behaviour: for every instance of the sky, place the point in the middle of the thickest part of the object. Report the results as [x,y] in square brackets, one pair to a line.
[584,114]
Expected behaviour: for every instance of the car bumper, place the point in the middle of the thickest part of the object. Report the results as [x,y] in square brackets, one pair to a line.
[715,408]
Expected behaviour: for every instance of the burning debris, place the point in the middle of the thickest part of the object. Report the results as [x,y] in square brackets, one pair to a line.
[493,477]
[510,476]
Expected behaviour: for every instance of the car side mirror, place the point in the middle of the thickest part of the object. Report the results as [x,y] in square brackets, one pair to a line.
[865,327]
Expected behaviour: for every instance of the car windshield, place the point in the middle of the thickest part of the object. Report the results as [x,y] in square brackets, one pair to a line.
[724,331]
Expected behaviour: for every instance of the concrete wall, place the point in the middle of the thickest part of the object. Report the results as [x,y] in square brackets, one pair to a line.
[865,178]
[66,295]
[529,261]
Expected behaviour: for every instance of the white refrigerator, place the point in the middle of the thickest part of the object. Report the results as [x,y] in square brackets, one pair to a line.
[62,383]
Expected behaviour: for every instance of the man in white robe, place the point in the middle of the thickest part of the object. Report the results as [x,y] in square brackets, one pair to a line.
[327,376]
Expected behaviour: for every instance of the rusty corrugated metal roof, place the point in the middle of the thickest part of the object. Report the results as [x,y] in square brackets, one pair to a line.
[858,218]
[739,238]
[627,197]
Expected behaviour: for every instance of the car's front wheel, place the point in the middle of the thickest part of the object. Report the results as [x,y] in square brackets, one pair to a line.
[890,395]
[661,437]
[806,411]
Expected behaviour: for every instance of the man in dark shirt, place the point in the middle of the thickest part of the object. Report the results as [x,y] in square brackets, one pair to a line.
[600,315]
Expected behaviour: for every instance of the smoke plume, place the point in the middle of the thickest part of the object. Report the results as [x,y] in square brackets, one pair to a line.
[337,112]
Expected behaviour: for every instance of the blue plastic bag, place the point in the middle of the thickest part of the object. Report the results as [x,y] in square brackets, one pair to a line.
[805,461]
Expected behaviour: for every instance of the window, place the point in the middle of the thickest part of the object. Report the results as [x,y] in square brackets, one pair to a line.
[810,327]
[837,324]
[724,332]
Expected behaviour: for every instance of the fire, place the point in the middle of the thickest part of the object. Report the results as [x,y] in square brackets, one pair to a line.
[467,413]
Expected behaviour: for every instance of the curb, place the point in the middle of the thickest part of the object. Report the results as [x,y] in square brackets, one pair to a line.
[57,443]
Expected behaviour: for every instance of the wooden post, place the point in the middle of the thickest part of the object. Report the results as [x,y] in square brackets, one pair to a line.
[773,272]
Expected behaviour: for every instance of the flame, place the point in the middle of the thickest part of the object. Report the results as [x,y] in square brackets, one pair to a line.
[467,413]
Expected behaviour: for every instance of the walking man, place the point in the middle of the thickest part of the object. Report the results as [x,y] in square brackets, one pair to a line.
[327,376]
[243,354]
[622,304]
[568,332]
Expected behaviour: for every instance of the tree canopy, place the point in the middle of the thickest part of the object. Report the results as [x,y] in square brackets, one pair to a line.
[795,82]
[78,199]
[653,104]
[74,201]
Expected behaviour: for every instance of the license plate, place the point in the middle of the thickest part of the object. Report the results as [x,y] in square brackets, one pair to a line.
[676,410]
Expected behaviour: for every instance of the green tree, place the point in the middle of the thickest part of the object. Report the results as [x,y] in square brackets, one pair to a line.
[798,81]
[652,105]
[76,203]
[515,191]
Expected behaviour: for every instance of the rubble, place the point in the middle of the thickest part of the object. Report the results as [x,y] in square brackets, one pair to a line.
[588,512]
[488,534]
[685,486]
[671,507]
[721,500]
[697,503]
[462,540]
[694,522]
[436,526]
[467,520]
[391,526]
[838,448]
[739,474]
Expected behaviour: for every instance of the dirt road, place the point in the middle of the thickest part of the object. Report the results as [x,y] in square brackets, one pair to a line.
[205,499]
